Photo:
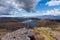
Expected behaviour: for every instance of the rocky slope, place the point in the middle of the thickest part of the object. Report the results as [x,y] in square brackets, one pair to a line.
[38,33]
[42,29]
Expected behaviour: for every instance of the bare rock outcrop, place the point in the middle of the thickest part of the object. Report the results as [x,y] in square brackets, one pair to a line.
[21,34]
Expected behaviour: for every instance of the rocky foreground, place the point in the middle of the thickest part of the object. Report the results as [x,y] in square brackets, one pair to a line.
[41,33]
[21,34]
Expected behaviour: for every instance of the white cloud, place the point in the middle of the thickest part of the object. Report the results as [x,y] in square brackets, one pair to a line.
[53,3]
[3,10]
[28,5]
[9,5]
[23,13]
[5,7]
[54,12]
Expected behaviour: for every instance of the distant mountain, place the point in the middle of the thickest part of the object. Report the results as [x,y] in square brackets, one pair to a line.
[44,17]
[36,17]
[48,16]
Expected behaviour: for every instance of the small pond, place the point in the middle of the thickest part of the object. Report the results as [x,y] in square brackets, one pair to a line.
[26,21]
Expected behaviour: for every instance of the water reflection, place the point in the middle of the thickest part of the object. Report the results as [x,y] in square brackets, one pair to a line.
[32,25]
[26,21]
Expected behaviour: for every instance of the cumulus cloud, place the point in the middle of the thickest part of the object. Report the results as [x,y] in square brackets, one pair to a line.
[4,7]
[28,5]
[53,3]
[9,5]
[54,12]
[3,10]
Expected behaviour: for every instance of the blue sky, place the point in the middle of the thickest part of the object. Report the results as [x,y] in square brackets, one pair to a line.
[41,6]
[29,8]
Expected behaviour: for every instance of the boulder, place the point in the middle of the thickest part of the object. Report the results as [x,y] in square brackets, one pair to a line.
[21,34]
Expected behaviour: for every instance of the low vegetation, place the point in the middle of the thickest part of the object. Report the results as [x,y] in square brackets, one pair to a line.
[44,33]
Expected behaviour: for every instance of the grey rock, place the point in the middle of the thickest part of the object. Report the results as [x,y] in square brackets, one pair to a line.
[57,37]
[21,34]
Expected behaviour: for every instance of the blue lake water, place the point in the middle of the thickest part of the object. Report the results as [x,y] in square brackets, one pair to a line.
[32,25]
[26,21]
